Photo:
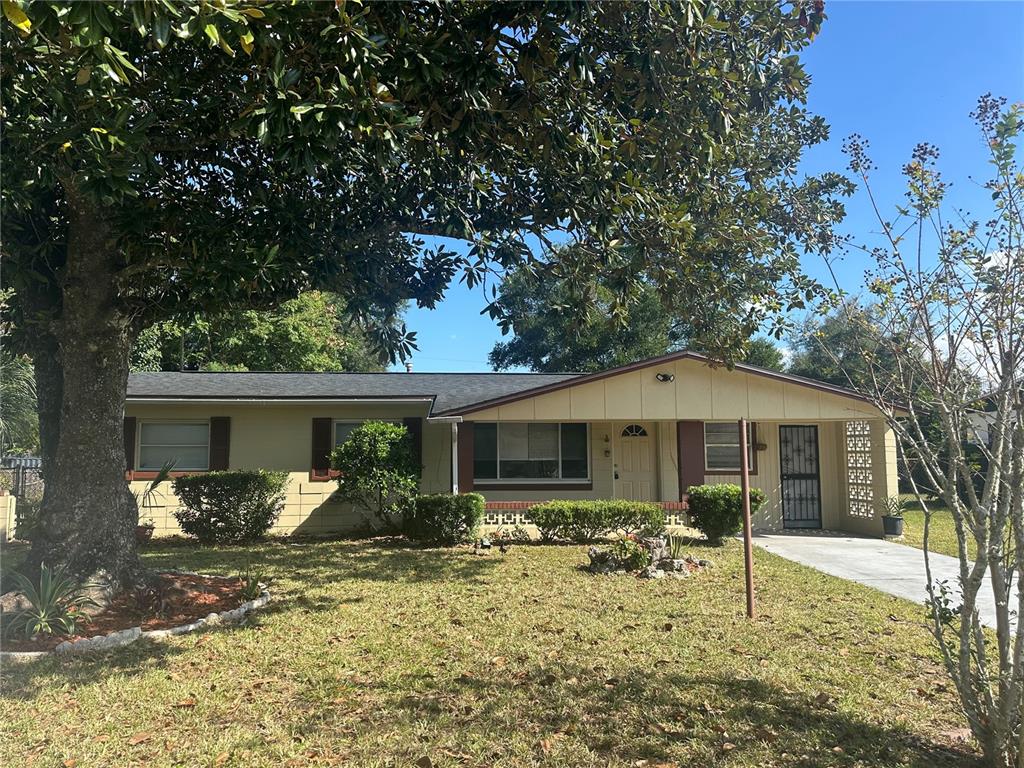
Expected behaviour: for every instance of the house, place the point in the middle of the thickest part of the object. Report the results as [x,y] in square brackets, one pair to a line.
[822,454]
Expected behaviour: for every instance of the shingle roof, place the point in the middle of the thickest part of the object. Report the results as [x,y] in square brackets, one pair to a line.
[450,390]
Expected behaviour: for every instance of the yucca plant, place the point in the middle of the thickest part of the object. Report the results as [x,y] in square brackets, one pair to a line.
[55,604]
[676,547]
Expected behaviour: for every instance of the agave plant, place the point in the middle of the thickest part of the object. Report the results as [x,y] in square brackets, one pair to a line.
[145,499]
[252,581]
[55,604]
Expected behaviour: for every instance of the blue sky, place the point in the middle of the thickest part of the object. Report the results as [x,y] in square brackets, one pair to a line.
[896,73]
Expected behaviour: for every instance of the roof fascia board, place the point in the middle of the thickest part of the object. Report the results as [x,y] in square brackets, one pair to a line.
[277,400]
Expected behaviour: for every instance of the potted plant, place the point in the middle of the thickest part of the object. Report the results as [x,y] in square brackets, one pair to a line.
[892,516]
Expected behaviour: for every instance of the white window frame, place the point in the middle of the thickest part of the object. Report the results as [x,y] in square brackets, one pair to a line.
[184,422]
[750,448]
[483,481]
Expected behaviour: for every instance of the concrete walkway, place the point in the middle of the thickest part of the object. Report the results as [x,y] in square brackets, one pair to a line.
[892,568]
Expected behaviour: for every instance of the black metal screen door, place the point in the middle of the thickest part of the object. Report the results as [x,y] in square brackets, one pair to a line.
[801,481]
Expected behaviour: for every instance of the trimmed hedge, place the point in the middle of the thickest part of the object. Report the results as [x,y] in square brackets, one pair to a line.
[444,518]
[229,507]
[717,510]
[589,520]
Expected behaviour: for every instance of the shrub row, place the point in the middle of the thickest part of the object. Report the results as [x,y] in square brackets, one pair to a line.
[589,520]
[444,518]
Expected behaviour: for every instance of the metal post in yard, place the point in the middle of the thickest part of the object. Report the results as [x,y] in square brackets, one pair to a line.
[748,546]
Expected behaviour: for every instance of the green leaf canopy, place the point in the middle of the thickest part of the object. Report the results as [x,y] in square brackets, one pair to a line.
[239,153]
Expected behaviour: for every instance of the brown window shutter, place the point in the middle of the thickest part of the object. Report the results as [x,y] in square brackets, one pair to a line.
[220,442]
[465,456]
[414,426]
[690,445]
[129,442]
[322,446]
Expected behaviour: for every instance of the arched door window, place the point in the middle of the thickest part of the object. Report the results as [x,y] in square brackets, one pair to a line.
[634,430]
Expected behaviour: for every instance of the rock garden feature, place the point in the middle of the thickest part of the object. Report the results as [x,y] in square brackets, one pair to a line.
[650,557]
[176,603]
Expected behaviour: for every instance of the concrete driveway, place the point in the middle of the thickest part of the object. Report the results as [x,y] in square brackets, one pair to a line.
[892,568]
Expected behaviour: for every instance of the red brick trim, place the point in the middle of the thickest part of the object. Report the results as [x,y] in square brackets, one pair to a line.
[151,474]
[323,476]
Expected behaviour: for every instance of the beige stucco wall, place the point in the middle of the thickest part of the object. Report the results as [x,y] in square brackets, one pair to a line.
[8,516]
[279,437]
[769,476]
[697,392]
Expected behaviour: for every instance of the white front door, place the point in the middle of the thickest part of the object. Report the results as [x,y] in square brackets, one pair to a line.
[634,461]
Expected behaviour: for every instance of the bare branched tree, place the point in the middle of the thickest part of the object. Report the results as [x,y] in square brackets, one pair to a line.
[947,348]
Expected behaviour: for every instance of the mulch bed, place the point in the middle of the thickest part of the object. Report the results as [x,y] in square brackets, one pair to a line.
[185,598]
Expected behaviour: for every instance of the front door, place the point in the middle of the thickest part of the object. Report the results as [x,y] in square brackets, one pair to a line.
[634,461]
[801,482]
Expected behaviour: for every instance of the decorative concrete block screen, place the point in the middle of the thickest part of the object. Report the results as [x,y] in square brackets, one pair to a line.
[505,517]
[859,477]
[513,513]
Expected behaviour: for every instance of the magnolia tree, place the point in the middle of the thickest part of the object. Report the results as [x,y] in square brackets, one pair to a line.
[945,357]
[178,159]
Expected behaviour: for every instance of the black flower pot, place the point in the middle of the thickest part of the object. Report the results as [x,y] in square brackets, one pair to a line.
[892,525]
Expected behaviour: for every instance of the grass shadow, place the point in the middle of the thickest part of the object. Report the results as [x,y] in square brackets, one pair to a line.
[644,716]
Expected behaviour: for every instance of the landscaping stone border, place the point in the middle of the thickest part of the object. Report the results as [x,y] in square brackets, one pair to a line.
[128,636]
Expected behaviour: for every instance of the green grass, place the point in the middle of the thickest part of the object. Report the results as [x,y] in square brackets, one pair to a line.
[941,532]
[378,655]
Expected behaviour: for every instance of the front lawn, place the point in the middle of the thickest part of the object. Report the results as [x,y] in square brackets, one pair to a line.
[941,532]
[378,655]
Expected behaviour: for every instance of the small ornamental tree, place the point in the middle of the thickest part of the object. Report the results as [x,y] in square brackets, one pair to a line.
[944,361]
[378,472]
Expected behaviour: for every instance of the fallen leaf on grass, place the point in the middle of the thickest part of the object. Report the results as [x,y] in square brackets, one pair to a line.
[728,746]
[425,762]
[70,763]
[140,737]
[184,704]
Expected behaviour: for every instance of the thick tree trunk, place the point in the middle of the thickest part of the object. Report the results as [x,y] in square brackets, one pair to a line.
[88,514]
[49,391]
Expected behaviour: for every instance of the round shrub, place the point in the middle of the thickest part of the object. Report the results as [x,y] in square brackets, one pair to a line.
[444,518]
[717,510]
[229,507]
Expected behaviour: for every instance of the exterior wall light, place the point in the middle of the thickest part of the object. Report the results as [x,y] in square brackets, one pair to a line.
[665,378]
